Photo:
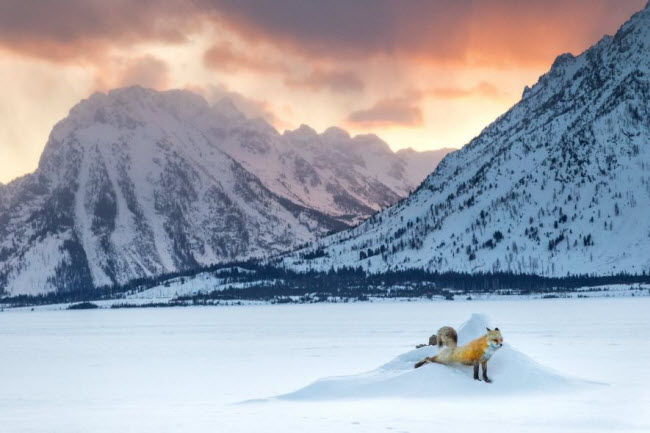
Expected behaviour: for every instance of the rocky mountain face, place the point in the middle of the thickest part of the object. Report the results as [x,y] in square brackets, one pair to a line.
[560,184]
[348,178]
[136,183]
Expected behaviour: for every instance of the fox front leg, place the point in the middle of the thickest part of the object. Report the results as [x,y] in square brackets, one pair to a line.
[476,371]
[485,378]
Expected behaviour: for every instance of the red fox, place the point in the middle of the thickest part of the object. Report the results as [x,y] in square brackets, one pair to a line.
[473,353]
[446,336]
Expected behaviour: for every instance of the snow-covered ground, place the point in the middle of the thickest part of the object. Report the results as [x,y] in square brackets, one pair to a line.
[512,371]
[570,365]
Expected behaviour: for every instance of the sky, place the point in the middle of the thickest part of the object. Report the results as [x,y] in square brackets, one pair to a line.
[420,74]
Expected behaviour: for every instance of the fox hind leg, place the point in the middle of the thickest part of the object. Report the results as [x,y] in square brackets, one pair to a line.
[425,361]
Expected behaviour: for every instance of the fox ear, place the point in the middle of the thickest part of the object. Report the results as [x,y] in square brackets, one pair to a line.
[489,330]
[496,329]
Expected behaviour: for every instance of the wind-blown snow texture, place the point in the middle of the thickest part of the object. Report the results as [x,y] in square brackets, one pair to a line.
[510,370]
[136,183]
[559,184]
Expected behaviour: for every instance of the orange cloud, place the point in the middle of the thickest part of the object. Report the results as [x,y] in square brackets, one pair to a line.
[146,71]
[336,81]
[405,110]
[388,112]
[223,57]
[483,88]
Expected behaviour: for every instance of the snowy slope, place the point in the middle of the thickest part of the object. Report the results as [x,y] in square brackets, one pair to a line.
[511,371]
[350,178]
[136,183]
[559,184]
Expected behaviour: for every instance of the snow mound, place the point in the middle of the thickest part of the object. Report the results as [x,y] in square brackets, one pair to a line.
[510,370]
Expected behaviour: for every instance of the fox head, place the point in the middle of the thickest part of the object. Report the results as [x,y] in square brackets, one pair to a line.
[494,338]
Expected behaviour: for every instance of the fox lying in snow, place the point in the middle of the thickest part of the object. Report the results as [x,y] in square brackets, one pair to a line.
[473,353]
[446,336]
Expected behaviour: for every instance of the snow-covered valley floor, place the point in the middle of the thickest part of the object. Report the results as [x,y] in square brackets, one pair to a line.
[570,365]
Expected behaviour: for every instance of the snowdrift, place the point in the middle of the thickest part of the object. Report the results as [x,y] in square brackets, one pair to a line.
[510,370]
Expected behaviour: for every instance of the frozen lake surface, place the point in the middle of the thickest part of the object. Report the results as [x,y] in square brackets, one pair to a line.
[190,369]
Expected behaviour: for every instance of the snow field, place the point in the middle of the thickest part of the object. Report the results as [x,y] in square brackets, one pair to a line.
[190,369]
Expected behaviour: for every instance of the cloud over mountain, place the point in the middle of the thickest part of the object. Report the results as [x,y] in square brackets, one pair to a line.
[388,112]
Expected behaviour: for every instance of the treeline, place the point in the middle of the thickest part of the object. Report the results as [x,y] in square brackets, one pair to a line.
[266,282]
[89,293]
[270,283]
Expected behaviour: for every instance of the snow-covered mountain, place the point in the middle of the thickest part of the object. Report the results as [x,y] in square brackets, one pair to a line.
[559,184]
[136,183]
[348,178]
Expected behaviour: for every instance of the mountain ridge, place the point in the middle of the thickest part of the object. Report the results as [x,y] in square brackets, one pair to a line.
[557,185]
[136,183]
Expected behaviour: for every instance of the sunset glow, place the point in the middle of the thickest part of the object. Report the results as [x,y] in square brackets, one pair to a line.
[418,74]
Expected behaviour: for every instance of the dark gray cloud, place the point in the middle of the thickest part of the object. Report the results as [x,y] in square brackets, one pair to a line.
[72,29]
[489,31]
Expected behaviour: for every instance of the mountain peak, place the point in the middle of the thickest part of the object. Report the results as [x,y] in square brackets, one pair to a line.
[225,108]
[334,133]
[555,186]
[134,91]
[303,132]
[563,59]
[372,142]
[145,94]
[136,100]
